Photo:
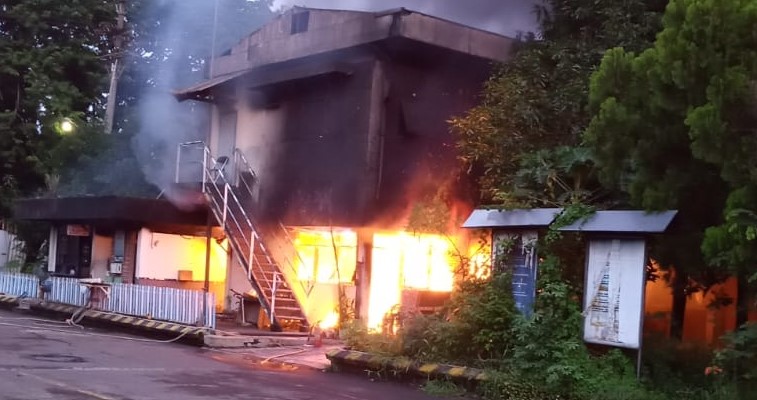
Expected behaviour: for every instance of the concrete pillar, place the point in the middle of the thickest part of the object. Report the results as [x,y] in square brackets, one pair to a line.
[363,274]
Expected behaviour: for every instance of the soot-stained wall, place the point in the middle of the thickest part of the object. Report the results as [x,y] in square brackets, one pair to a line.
[419,154]
[317,161]
[359,149]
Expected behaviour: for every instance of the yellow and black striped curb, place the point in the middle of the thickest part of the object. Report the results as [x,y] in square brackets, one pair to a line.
[128,321]
[8,300]
[404,366]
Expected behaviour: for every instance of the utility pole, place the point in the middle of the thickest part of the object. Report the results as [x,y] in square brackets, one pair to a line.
[115,72]
[213,39]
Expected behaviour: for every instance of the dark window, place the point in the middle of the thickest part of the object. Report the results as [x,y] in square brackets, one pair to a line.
[300,22]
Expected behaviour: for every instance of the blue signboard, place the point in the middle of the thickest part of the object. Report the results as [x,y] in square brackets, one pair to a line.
[522,262]
[524,281]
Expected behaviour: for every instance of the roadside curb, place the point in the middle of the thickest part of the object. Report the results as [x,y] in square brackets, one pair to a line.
[161,328]
[399,366]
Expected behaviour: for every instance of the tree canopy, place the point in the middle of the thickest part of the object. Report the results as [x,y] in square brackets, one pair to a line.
[522,140]
[53,71]
[674,126]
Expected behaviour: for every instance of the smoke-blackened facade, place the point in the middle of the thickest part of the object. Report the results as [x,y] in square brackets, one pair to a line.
[343,113]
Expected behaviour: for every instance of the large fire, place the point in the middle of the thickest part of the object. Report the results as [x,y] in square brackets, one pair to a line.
[404,260]
[400,261]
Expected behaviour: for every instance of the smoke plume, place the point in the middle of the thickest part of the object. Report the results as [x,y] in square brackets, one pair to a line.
[506,17]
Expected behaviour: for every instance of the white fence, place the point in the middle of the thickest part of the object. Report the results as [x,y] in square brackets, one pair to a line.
[19,284]
[159,303]
[68,291]
[168,304]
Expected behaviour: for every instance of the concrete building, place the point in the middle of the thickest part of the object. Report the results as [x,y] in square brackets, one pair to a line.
[338,119]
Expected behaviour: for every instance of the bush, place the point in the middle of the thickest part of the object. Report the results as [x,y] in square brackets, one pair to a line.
[475,327]
[508,386]
[676,368]
[738,359]
[358,338]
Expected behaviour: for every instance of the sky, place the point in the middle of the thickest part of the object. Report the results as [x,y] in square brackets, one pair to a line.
[507,17]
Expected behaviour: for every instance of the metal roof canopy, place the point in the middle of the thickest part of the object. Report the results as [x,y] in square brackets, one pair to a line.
[623,222]
[518,218]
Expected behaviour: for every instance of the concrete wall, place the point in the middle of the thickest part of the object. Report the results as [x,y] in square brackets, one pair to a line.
[161,257]
[327,31]
[236,280]
[330,30]
[418,153]
[307,145]
[102,250]
[9,248]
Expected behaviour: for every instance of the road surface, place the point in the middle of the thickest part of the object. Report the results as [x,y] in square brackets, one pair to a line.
[47,360]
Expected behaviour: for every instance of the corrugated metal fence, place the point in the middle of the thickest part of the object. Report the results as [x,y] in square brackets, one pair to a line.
[68,291]
[18,284]
[160,303]
[167,304]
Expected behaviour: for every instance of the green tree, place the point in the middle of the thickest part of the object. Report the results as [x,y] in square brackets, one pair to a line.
[673,128]
[52,70]
[522,139]
[168,43]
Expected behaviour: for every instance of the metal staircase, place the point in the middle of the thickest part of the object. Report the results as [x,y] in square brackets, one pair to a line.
[230,187]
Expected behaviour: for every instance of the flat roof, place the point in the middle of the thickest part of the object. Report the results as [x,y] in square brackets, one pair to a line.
[623,222]
[92,209]
[517,218]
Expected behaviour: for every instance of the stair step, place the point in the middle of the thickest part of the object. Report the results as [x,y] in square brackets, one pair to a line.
[289,313]
[287,308]
[265,268]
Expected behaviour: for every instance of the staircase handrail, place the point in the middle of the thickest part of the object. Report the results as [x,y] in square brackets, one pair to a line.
[208,178]
[239,156]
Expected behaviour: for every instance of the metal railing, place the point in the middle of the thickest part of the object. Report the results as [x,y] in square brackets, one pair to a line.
[230,213]
[159,303]
[241,165]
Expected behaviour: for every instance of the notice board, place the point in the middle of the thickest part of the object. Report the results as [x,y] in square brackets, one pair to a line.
[614,294]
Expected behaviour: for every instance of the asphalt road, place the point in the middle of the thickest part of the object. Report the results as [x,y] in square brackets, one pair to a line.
[46,360]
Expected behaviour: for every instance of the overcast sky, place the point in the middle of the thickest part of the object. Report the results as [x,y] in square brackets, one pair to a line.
[506,17]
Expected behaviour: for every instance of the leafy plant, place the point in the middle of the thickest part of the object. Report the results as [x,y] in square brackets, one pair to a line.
[738,359]
[442,388]
[674,367]
[474,327]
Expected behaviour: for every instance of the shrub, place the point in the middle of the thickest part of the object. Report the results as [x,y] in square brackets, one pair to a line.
[508,386]
[738,359]
[475,327]
[676,368]
[358,338]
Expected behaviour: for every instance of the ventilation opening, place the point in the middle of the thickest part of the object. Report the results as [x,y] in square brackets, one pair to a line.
[300,22]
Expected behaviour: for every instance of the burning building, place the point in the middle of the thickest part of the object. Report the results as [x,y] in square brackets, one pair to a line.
[329,133]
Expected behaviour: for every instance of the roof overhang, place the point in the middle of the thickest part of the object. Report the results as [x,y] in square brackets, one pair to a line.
[269,75]
[510,219]
[111,211]
[623,222]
